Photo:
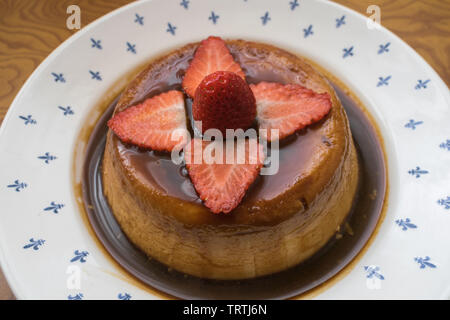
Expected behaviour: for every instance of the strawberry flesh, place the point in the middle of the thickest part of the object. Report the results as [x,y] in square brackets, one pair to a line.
[288,108]
[222,186]
[212,55]
[158,123]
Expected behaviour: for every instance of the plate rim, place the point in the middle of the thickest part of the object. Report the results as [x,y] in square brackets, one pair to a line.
[10,275]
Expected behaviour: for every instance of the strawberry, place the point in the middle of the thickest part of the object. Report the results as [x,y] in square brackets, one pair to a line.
[223,100]
[158,123]
[288,108]
[212,55]
[222,186]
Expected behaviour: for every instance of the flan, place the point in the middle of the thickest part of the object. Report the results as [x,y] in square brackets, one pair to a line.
[282,220]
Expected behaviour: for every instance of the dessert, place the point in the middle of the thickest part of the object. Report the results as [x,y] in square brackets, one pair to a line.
[228,221]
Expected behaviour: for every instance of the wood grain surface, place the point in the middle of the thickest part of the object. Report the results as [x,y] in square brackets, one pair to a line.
[31,29]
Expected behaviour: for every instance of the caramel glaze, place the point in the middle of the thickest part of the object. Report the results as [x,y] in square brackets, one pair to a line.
[289,215]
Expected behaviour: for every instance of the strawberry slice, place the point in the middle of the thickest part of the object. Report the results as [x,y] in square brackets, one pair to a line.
[222,185]
[158,123]
[212,55]
[288,108]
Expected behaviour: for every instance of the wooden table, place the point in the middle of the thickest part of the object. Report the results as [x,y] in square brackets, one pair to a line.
[31,29]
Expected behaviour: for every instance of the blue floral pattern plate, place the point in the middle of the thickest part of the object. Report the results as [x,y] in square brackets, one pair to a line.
[46,250]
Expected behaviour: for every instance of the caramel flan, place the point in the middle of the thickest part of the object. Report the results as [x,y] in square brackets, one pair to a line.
[280,221]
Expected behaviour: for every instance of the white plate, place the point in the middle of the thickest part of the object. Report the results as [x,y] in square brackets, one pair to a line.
[41,228]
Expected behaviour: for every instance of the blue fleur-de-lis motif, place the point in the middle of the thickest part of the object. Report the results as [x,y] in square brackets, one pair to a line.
[96,43]
[124,296]
[424,262]
[78,296]
[417,172]
[213,17]
[340,21]
[384,48]
[59,77]
[47,157]
[55,207]
[308,31]
[67,110]
[412,124]
[383,81]
[79,256]
[131,47]
[444,202]
[421,84]
[373,271]
[17,185]
[348,52]
[185,4]
[34,244]
[405,224]
[265,18]
[171,28]
[95,75]
[445,145]
[294,4]
[28,119]
[139,19]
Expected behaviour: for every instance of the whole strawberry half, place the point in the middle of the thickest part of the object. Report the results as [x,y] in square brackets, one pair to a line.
[223,100]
